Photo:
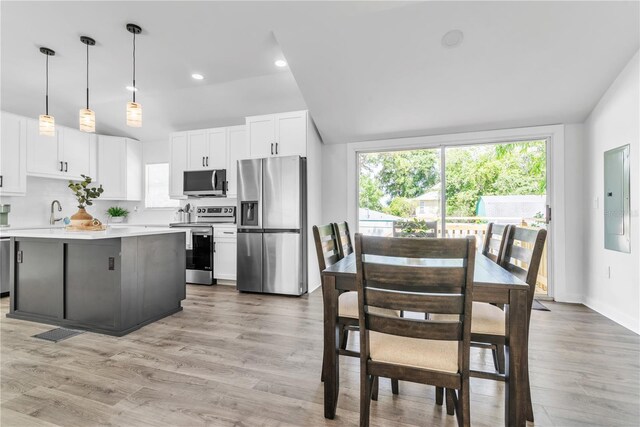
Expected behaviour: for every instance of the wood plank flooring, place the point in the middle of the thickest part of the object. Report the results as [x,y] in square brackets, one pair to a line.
[234,359]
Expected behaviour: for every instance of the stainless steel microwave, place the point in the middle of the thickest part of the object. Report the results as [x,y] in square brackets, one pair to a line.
[205,183]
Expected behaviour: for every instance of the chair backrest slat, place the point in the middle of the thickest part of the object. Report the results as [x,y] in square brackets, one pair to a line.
[423,329]
[422,275]
[412,301]
[344,238]
[326,242]
[415,276]
[415,248]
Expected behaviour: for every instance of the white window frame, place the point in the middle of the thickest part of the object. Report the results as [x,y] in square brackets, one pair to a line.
[146,187]
[553,134]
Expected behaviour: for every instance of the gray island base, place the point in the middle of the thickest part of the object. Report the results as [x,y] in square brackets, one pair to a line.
[111,283]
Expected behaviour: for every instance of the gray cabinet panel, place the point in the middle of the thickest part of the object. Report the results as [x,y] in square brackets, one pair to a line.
[92,289]
[40,274]
[161,284]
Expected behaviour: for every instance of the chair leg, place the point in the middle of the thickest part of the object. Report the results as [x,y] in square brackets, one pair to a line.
[394,386]
[529,403]
[439,395]
[344,337]
[498,358]
[463,405]
[374,389]
[365,398]
[451,401]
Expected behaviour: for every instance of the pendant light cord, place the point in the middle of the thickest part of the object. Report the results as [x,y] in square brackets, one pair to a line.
[87,76]
[46,97]
[134,66]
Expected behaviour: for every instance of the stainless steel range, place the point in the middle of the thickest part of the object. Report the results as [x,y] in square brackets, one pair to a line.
[200,244]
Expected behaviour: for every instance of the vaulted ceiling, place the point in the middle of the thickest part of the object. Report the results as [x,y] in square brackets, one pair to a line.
[365,70]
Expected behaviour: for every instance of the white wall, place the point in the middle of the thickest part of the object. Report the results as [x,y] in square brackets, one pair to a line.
[615,121]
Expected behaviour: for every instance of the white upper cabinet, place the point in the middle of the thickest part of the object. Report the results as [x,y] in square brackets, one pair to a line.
[261,133]
[13,155]
[207,149]
[283,134]
[120,168]
[43,158]
[67,155]
[177,163]
[197,149]
[75,152]
[237,149]
[216,148]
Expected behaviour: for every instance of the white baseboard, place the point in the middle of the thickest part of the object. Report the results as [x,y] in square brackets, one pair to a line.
[569,298]
[613,314]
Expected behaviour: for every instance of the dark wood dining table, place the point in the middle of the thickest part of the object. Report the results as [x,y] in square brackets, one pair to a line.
[492,284]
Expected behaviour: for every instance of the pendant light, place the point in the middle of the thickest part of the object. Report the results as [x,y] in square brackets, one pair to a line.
[134,110]
[47,123]
[87,116]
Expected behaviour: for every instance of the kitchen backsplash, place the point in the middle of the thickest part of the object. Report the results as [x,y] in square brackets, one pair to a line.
[34,209]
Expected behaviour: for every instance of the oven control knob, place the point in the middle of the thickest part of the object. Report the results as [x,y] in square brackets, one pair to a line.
[225,210]
[199,210]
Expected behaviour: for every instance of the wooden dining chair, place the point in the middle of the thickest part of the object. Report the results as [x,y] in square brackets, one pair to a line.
[419,275]
[522,257]
[328,252]
[344,238]
[495,241]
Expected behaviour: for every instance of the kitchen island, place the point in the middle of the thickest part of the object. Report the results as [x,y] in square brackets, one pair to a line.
[112,282]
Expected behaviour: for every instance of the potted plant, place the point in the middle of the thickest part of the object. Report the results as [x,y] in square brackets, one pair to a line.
[84,194]
[117,214]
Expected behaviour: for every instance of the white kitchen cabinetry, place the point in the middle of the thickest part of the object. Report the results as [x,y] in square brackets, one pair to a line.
[67,155]
[13,155]
[177,164]
[120,168]
[283,134]
[216,148]
[237,149]
[207,149]
[224,257]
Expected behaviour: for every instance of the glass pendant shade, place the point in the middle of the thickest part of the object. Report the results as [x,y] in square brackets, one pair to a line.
[47,125]
[134,114]
[87,120]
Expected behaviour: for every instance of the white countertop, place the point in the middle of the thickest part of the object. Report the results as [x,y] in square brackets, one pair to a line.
[109,233]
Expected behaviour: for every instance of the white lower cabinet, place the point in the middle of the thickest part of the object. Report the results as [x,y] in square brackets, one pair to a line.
[224,257]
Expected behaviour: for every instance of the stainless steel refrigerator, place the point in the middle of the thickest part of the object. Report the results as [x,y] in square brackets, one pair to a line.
[272,241]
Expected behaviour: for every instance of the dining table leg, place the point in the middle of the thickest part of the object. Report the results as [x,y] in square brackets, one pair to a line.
[515,393]
[331,365]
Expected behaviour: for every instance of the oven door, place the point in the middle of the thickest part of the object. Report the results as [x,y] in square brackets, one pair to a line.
[200,256]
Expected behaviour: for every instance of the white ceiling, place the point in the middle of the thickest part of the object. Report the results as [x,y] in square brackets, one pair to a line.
[366,70]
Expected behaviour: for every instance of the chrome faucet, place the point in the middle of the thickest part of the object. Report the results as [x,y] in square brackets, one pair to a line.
[53,219]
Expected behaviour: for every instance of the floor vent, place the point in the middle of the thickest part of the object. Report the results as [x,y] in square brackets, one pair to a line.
[58,334]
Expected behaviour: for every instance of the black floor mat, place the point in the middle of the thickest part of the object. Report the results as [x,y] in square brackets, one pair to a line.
[537,305]
[58,334]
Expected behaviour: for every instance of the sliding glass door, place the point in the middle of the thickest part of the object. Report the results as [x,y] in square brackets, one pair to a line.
[455,191]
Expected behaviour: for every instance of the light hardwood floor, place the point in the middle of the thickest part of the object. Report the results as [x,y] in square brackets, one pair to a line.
[234,359]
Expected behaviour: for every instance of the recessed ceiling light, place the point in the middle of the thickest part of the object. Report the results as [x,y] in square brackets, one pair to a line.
[452,39]
[281,63]
[197,76]
[132,89]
